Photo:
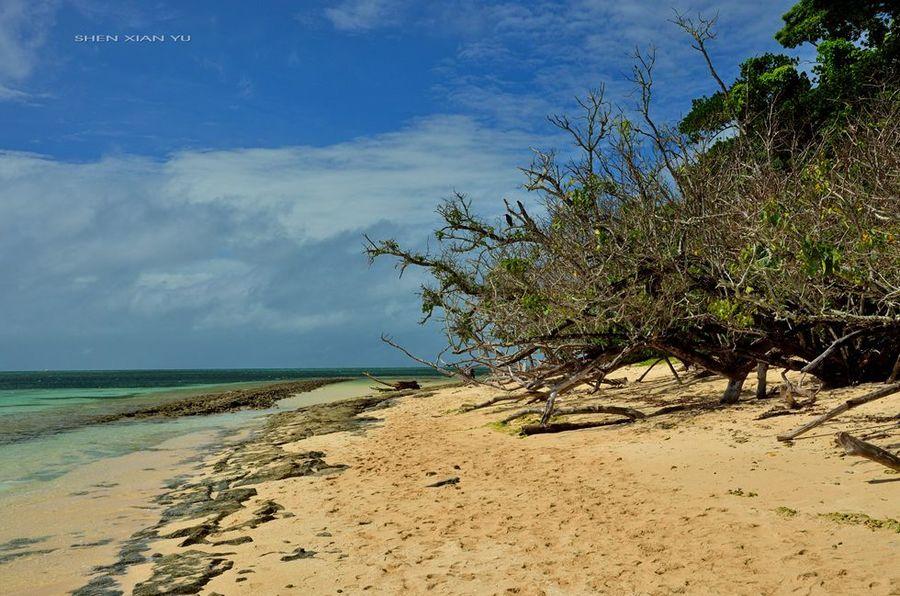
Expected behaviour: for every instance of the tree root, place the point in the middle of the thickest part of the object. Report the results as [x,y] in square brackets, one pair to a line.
[631,413]
[487,402]
[558,427]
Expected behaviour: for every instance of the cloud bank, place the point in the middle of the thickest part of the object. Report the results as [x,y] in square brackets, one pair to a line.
[244,242]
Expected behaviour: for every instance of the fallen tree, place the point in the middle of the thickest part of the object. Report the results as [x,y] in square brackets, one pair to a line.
[777,246]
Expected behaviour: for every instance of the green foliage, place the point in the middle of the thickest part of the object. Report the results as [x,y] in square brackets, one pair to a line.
[515,266]
[867,21]
[819,257]
[731,312]
[708,115]
[534,304]
[858,52]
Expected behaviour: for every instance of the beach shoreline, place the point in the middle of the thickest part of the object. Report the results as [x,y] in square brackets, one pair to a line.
[409,493]
[57,530]
[218,402]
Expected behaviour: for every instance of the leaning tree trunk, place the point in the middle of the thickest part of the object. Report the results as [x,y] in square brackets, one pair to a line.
[733,390]
[761,369]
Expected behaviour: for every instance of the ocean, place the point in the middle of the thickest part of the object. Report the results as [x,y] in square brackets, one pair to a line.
[46,427]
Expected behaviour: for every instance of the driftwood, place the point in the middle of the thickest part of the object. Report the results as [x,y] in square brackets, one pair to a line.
[854,446]
[445,482]
[789,391]
[395,385]
[847,405]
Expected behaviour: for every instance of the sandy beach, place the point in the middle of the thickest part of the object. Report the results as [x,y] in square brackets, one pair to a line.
[63,522]
[338,498]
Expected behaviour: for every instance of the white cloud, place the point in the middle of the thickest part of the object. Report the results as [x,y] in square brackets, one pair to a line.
[10,94]
[24,25]
[221,240]
[361,15]
[313,193]
[518,61]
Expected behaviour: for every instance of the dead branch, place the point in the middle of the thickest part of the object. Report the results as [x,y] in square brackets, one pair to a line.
[488,402]
[829,351]
[649,368]
[854,446]
[588,409]
[396,385]
[672,368]
[438,368]
[578,378]
[847,405]
[895,373]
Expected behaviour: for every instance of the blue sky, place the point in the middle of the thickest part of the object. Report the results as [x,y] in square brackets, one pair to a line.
[202,203]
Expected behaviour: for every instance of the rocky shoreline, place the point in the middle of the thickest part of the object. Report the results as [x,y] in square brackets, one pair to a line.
[198,511]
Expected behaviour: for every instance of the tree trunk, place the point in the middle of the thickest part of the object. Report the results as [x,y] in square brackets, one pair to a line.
[732,391]
[895,374]
[761,369]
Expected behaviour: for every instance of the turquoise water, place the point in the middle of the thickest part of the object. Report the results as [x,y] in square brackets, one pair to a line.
[46,418]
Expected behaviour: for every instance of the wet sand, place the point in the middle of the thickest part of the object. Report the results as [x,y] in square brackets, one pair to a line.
[54,534]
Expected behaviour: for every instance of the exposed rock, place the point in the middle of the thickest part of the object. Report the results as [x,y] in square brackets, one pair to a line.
[299,553]
[224,489]
[99,586]
[182,573]
[444,482]
[230,401]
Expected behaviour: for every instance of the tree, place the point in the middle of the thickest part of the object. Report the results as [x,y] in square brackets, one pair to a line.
[858,54]
[771,248]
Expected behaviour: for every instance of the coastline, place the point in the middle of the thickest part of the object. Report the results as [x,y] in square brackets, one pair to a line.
[55,531]
[218,402]
[218,507]
[404,493]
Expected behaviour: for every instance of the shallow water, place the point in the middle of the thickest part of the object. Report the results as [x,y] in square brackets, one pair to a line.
[46,418]
[71,498]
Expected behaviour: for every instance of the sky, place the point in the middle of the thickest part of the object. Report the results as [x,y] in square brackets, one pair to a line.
[201,201]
